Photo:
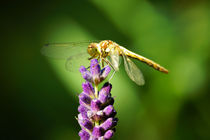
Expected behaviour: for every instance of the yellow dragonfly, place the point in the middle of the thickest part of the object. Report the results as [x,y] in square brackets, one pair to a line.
[106,51]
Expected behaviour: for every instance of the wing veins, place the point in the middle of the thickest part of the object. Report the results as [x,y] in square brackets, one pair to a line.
[133,71]
[64,50]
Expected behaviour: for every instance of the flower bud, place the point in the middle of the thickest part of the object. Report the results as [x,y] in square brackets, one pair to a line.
[104,73]
[85,98]
[109,110]
[86,74]
[88,89]
[98,131]
[109,123]
[84,135]
[108,134]
[95,105]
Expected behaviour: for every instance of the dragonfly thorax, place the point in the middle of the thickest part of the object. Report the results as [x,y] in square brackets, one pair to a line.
[105,47]
[101,49]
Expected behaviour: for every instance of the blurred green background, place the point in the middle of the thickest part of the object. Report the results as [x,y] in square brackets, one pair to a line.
[39,97]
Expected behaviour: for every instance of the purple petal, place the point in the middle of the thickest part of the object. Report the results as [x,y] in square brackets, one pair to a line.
[108,135]
[82,69]
[103,98]
[94,67]
[104,93]
[95,71]
[82,114]
[106,89]
[104,72]
[95,105]
[84,135]
[82,108]
[109,110]
[84,98]
[85,122]
[83,111]
[98,131]
[88,89]
[109,123]
[80,117]
[85,74]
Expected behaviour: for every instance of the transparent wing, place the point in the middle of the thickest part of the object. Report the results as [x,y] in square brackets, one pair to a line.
[133,71]
[115,58]
[64,50]
[73,63]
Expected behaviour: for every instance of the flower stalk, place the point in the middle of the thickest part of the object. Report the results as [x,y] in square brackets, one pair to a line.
[96,112]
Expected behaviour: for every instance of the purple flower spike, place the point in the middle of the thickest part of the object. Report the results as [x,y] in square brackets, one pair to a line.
[97,114]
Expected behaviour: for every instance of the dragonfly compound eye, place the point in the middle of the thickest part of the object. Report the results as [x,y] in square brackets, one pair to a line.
[92,49]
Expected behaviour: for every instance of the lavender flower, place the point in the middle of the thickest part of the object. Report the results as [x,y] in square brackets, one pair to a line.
[96,112]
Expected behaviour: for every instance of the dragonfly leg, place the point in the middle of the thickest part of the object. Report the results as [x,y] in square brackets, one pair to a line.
[102,63]
[109,63]
[100,60]
[92,57]
[112,76]
[104,60]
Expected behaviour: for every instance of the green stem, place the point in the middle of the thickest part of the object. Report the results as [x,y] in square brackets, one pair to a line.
[97,123]
[96,96]
[96,91]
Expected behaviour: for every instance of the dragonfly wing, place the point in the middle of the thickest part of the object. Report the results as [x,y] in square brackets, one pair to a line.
[64,50]
[115,59]
[73,63]
[133,71]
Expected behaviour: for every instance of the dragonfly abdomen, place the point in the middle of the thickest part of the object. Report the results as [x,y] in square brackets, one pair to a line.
[145,60]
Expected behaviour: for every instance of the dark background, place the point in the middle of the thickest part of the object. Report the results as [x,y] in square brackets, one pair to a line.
[39,98]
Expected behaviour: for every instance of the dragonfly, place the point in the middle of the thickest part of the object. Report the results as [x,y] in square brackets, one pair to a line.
[106,51]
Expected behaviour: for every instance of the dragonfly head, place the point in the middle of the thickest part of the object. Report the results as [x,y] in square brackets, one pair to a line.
[93,49]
